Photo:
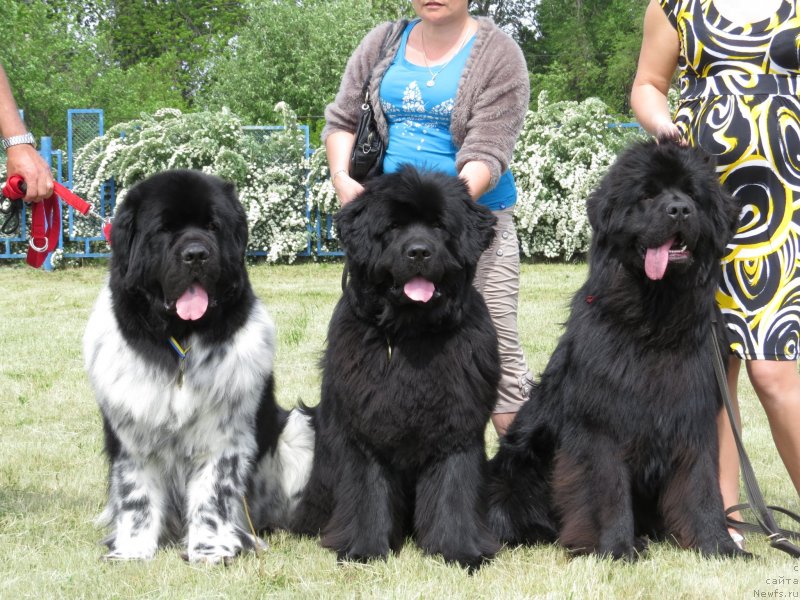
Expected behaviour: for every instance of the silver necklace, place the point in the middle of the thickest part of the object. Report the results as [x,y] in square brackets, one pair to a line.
[432,81]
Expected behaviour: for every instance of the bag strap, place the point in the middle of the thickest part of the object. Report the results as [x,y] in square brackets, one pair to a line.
[778,538]
[392,35]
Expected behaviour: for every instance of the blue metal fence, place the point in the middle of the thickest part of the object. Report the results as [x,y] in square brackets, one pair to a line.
[84,125]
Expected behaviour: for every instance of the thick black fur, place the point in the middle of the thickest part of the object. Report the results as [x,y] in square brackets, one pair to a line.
[618,442]
[408,387]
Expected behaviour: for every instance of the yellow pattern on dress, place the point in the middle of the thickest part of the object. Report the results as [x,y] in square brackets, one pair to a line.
[740,101]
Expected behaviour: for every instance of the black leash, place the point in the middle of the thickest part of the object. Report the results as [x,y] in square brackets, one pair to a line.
[778,538]
[11,210]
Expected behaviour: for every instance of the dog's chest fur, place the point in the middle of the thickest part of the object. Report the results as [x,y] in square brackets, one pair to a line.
[152,406]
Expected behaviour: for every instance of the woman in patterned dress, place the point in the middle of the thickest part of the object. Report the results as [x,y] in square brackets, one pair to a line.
[451,95]
[739,65]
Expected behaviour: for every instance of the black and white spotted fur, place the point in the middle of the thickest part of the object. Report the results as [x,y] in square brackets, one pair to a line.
[187,443]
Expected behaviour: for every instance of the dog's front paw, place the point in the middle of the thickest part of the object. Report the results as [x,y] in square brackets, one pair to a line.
[470,562]
[363,553]
[725,547]
[223,548]
[131,551]
[211,554]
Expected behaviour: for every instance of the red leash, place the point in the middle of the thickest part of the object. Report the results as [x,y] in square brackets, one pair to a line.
[46,217]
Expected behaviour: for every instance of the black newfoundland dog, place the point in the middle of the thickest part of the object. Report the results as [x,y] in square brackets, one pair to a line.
[618,442]
[409,378]
[180,353]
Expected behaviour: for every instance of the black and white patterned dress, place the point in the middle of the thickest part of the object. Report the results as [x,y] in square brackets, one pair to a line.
[739,101]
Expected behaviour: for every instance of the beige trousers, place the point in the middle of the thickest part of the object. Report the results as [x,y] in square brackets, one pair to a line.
[497,279]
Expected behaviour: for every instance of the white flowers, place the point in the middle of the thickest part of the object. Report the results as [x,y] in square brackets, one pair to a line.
[563,151]
[267,167]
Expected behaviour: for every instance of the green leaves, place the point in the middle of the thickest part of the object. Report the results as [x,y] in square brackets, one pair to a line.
[285,53]
[586,48]
[56,61]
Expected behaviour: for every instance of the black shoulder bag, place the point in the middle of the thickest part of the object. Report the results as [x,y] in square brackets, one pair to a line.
[366,161]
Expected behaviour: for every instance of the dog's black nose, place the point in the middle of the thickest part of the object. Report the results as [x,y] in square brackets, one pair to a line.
[194,253]
[679,210]
[418,252]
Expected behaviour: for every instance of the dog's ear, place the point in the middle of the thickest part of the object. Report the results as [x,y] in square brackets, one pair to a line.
[599,211]
[479,230]
[726,218]
[353,229]
[124,238]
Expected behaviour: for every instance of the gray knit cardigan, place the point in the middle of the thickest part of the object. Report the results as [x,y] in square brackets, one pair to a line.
[491,101]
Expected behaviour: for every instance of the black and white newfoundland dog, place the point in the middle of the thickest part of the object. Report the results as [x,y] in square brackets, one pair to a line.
[618,443]
[179,353]
[409,378]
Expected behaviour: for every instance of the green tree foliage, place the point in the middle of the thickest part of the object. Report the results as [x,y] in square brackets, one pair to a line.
[58,62]
[290,54]
[586,48]
[390,10]
[183,33]
[514,16]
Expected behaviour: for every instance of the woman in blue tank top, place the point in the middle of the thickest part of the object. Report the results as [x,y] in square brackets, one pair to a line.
[453,91]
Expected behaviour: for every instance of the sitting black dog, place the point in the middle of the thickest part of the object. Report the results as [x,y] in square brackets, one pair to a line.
[619,442]
[409,378]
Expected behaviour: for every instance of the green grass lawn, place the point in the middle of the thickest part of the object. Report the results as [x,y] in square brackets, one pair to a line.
[52,471]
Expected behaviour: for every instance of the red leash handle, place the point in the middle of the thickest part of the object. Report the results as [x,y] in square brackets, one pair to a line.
[15,188]
[46,217]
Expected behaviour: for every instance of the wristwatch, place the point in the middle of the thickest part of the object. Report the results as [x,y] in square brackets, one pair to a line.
[15,140]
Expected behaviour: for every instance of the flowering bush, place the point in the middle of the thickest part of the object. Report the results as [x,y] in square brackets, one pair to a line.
[563,151]
[322,199]
[321,194]
[267,167]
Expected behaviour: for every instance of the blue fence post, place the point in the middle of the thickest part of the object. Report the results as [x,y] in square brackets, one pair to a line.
[307,155]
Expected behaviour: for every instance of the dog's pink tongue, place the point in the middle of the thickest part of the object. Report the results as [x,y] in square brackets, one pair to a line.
[192,304]
[656,259]
[419,289]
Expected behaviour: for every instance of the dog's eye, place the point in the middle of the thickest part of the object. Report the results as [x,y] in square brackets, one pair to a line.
[212,226]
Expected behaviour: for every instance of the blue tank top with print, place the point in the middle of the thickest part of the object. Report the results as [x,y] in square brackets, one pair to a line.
[419,119]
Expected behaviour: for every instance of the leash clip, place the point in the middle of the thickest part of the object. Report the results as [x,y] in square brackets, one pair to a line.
[36,248]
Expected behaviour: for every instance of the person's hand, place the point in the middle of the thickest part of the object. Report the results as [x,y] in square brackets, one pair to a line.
[667,131]
[23,160]
[346,187]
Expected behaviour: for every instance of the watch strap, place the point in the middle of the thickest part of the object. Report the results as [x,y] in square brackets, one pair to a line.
[15,140]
